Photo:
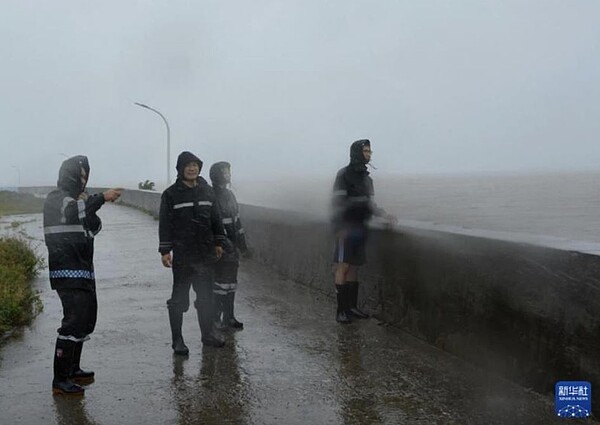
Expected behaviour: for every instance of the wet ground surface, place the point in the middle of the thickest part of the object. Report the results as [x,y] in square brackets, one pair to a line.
[293,364]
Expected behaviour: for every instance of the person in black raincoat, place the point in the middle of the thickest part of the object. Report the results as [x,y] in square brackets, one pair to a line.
[70,225]
[226,269]
[353,207]
[190,228]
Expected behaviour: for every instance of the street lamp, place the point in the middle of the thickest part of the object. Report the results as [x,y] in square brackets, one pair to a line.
[19,175]
[168,140]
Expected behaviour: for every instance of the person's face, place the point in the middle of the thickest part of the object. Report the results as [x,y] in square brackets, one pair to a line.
[227,175]
[83,178]
[191,171]
[367,152]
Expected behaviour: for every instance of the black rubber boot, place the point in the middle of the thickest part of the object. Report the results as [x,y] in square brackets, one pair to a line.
[342,304]
[210,336]
[228,316]
[353,301]
[78,375]
[63,359]
[176,321]
[219,306]
[67,388]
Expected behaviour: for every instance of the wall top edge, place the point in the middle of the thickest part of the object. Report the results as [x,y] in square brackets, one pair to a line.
[405,226]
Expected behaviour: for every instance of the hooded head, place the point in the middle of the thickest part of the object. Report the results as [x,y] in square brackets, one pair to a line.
[357,156]
[184,159]
[220,174]
[71,176]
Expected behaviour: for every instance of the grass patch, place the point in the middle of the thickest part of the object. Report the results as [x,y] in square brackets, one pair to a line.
[19,203]
[19,265]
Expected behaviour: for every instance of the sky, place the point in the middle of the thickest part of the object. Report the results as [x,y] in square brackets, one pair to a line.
[282,88]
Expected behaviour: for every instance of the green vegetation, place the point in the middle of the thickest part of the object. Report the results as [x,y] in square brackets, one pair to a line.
[19,264]
[147,185]
[19,302]
[19,203]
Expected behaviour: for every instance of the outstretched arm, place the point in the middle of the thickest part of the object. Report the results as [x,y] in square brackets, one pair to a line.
[383,214]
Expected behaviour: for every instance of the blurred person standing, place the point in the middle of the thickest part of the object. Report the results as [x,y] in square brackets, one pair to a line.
[353,207]
[70,225]
[226,269]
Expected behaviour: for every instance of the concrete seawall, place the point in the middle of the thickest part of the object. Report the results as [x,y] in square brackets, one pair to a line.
[529,313]
[527,310]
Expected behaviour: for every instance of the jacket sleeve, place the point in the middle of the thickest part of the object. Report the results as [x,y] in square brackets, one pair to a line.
[93,221]
[165,224]
[79,210]
[217,225]
[339,200]
[240,237]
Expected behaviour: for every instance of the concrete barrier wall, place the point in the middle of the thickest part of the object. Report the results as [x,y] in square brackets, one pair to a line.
[36,190]
[145,200]
[527,312]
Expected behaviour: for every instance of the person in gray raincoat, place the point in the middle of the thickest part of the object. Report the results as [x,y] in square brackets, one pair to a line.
[353,207]
[226,269]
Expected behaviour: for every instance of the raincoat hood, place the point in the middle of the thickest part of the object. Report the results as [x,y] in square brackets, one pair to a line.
[356,153]
[185,158]
[69,176]
[216,173]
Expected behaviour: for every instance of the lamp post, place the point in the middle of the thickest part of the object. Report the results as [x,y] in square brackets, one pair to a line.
[168,140]
[19,176]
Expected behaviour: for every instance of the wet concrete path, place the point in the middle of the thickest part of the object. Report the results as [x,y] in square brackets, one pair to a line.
[293,364]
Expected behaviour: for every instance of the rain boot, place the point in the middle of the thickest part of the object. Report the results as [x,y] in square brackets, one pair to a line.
[176,321]
[210,337]
[353,301]
[63,359]
[228,317]
[342,304]
[219,306]
[78,375]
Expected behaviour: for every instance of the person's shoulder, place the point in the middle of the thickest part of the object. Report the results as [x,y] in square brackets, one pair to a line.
[344,174]
[54,192]
[57,193]
[175,191]
[342,171]
[51,197]
[169,190]
[205,189]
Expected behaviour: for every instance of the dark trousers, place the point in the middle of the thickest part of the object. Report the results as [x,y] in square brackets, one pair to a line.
[80,311]
[351,248]
[226,277]
[196,275]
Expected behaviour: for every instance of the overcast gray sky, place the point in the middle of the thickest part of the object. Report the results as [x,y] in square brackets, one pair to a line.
[284,87]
